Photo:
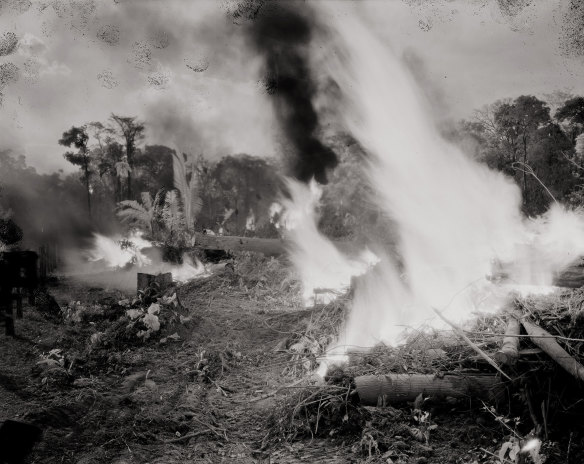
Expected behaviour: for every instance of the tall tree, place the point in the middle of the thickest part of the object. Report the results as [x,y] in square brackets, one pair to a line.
[153,169]
[78,137]
[109,154]
[132,131]
[571,116]
[519,138]
[112,166]
[518,122]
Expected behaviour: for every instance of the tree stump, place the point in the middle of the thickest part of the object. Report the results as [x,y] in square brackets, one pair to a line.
[160,281]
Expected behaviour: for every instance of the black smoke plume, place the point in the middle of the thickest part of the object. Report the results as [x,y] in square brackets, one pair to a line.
[282,32]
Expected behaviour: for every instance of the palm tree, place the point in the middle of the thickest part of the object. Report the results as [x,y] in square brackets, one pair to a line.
[143,214]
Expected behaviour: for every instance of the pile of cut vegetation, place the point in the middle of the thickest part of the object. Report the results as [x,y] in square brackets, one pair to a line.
[516,375]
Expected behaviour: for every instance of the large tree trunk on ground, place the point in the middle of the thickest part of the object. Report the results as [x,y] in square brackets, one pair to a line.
[267,246]
[380,390]
[570,277]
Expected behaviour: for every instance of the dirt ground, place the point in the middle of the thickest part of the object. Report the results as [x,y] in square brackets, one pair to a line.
[204,389]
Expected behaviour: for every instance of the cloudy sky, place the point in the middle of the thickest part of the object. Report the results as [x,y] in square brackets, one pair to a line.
[185,68]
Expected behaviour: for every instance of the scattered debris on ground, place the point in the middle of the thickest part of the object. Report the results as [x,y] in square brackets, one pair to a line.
[221,369]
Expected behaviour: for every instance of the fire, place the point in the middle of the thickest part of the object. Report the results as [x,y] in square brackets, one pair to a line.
[118,252]
[250,222]
[454,216]
[323,269]
[188,270]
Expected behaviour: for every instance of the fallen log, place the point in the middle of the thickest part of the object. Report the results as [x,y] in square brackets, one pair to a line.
[570,277]
[547,342]
[509,351]
[380,390]
[267,246]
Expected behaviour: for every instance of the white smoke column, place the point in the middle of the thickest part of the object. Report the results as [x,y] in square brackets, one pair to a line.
[454,216]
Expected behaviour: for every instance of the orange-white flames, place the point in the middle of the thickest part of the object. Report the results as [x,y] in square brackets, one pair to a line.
[117,252]
[455,217]
[114,254]
[323,270]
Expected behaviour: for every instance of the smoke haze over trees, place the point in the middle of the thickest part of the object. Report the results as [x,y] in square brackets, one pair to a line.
[231,124]
[522,138]
[541,149]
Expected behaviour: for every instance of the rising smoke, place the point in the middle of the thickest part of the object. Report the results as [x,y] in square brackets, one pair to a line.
[282,34]
[453,216]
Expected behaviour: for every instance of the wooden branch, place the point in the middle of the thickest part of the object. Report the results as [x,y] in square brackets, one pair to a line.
[470,343]
[509,351]
[544,340]
[380,390]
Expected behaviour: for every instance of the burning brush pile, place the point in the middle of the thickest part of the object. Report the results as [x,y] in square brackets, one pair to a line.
[462,314]
[509,382]
[464,311]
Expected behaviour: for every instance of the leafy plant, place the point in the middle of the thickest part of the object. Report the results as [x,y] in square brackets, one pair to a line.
[144,214]
[172,215]
[186,182]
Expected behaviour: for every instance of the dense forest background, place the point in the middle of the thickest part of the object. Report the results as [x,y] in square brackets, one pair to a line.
[122,183]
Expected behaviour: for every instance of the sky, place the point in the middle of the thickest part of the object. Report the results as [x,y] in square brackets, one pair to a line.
[185,68]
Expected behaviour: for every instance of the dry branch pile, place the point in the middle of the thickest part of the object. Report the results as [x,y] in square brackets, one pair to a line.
[538,343]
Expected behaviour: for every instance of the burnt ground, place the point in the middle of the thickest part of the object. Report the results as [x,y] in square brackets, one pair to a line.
[207,394]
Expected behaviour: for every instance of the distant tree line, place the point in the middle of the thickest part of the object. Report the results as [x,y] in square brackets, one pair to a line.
[118,172]
[122,182]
